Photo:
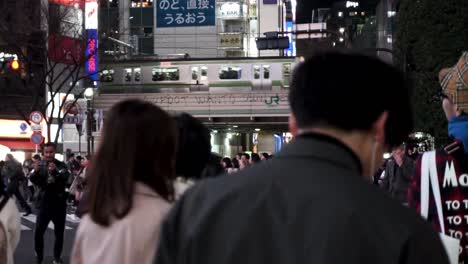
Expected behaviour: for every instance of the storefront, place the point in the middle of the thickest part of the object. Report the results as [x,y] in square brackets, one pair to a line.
[15,138]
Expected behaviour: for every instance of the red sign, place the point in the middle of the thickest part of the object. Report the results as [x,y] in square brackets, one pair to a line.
[68,2]
[36,117]
[66,50]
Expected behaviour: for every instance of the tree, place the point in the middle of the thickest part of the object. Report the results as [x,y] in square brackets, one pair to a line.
[430,35]
[58,43]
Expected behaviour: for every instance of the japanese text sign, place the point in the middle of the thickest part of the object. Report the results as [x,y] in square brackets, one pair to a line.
[185,13]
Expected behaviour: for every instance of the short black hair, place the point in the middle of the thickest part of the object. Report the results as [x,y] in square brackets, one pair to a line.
[265,155]
[255,158]
[50,144]
[350,92]
[247,156]
[194,146]
[37,157]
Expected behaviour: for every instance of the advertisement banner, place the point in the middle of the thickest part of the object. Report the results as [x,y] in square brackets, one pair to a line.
[65,49]
[185,13]
[91,12]
[92,54]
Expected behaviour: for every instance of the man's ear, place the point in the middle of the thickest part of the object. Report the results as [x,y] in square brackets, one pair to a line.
[379,128]
[293,129]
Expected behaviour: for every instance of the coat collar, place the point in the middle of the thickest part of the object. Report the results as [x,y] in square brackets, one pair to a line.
[322,147]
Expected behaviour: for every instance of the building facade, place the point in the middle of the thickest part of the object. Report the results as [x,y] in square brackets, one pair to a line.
[190,28]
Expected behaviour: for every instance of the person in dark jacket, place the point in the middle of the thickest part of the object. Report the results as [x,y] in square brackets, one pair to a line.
[398,175]
[13,175]
[50,176]
[314,201]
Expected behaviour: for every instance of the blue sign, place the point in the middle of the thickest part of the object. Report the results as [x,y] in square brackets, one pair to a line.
[185,13]
[270,2]
[37,138]
[23,126]
[92,54]
[291,50]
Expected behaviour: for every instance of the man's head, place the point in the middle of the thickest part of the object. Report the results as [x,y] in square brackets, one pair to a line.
[358,99]
[71,156]
[255,158]
[49,151]
[9,157]
[194,146]
[245,157]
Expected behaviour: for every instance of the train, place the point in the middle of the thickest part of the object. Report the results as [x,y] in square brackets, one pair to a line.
[196,75]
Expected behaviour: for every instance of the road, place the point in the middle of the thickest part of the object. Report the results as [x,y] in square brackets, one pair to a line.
[24,253]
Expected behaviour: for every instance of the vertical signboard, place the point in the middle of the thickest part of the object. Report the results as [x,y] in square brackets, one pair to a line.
[91,25]
[185,13]
[291,51]
[91,54]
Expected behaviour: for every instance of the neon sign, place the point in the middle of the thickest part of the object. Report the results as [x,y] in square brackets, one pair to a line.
[91,54]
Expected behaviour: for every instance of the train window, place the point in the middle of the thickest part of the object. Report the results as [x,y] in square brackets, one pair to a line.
[128,74]
[204,73]
[194,73]
[107,76]
[256,72]
[230,73]
[266,71]
[137,72]
[166,74]
[287,68]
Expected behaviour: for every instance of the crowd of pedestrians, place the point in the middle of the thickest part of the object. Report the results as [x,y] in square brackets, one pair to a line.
[150,195]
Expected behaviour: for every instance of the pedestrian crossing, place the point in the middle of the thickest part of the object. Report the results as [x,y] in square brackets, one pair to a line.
[29,222]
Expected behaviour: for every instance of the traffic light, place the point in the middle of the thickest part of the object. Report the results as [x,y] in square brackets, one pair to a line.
[14,65]
[9,64]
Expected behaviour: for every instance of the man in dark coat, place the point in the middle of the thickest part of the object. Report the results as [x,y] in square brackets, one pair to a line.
[398,175]
[13,175]
[50,176]
[314,202]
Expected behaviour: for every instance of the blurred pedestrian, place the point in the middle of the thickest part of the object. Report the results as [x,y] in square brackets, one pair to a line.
[255,158]
[315,203]
[10,226]
[130,185]
[194,151]
[13,177]
[264,156]
[227,165]
[398,175]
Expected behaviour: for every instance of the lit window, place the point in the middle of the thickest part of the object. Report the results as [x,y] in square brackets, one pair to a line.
[165,74]
[340,14]
[266,72]
[204,73]
[128,75]
[137,72]
[230,73]
[194,73]
[256,72]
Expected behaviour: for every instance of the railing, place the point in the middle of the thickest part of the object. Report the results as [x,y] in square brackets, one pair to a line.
[265,103]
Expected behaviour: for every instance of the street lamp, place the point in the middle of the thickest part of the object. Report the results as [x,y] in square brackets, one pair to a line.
[89,94]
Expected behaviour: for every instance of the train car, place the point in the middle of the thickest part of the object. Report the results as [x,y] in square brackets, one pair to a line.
[196,75]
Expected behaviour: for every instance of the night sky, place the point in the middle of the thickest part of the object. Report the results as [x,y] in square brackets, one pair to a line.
[305,7]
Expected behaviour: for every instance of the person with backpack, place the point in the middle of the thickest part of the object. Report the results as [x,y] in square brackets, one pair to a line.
[10,226]
[12,175]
